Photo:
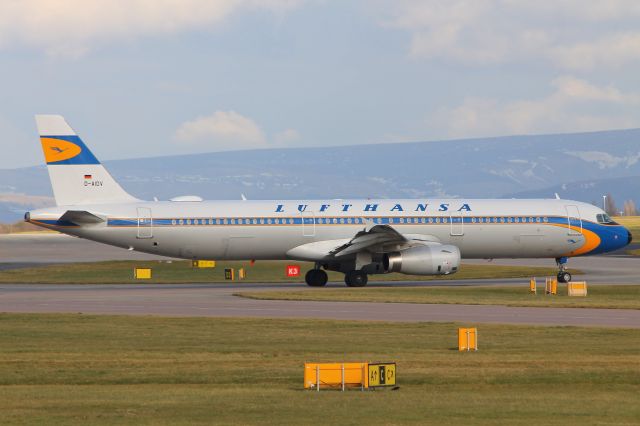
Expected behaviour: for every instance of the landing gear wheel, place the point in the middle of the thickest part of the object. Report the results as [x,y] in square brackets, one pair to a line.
[564,277]
[316,278]
[355,279]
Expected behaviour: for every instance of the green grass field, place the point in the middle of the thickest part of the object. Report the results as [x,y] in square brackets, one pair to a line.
[80,369]
[599,296]
[181,272]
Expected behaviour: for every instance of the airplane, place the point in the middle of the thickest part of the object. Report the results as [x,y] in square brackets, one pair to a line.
[356,237]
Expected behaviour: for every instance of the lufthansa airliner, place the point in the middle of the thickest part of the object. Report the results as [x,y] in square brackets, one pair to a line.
[355,237]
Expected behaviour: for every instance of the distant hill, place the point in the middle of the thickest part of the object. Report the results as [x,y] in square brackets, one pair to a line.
[488,167]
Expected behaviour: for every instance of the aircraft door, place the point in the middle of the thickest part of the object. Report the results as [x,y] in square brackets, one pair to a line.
[457,223]
[308,224]
[145,223]
[574,220]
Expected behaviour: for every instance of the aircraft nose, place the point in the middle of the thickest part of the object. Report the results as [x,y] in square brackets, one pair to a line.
[629,237]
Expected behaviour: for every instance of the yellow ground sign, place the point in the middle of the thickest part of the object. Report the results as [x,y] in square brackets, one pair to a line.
[229,274]
[142,273]
[381,374]
[204,263]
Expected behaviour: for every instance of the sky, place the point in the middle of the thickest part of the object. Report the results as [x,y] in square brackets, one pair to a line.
[142,78]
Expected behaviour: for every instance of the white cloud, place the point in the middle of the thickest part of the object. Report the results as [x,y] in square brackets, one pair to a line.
[73,26]
[495,31]
[226,130]
[569,108]
[287,136]
[611,51]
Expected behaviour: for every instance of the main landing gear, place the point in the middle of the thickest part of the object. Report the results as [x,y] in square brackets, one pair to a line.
[355,279]
[563,275]
[316,278]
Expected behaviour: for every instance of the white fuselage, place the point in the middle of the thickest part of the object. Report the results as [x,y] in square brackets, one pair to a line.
[271,229]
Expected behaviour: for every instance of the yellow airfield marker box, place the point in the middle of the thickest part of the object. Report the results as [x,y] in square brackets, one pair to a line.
[142,273]
[467,339]
[335,375]
[577,288]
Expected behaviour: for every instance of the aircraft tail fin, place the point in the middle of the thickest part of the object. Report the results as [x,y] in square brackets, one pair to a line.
[77,177]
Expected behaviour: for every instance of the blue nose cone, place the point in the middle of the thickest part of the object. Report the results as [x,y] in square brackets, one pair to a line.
[621,237]
[613,238]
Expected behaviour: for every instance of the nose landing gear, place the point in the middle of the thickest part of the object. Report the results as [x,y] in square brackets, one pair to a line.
[563,275]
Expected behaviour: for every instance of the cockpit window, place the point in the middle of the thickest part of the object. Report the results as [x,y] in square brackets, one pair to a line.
[604,218]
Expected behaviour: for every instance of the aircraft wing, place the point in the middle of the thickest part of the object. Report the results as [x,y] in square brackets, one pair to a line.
[376,238]
[377,235]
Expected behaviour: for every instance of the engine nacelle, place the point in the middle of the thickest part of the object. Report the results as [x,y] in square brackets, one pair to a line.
[424,260]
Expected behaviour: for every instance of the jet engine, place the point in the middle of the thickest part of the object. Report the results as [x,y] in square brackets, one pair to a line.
[424,260]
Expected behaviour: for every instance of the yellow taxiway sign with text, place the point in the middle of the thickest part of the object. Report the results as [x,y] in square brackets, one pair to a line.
[382,374]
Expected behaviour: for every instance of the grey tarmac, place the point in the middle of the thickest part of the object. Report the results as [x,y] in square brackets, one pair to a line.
[218,300]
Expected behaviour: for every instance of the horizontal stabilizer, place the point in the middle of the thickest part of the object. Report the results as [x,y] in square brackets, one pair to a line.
[80,217]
